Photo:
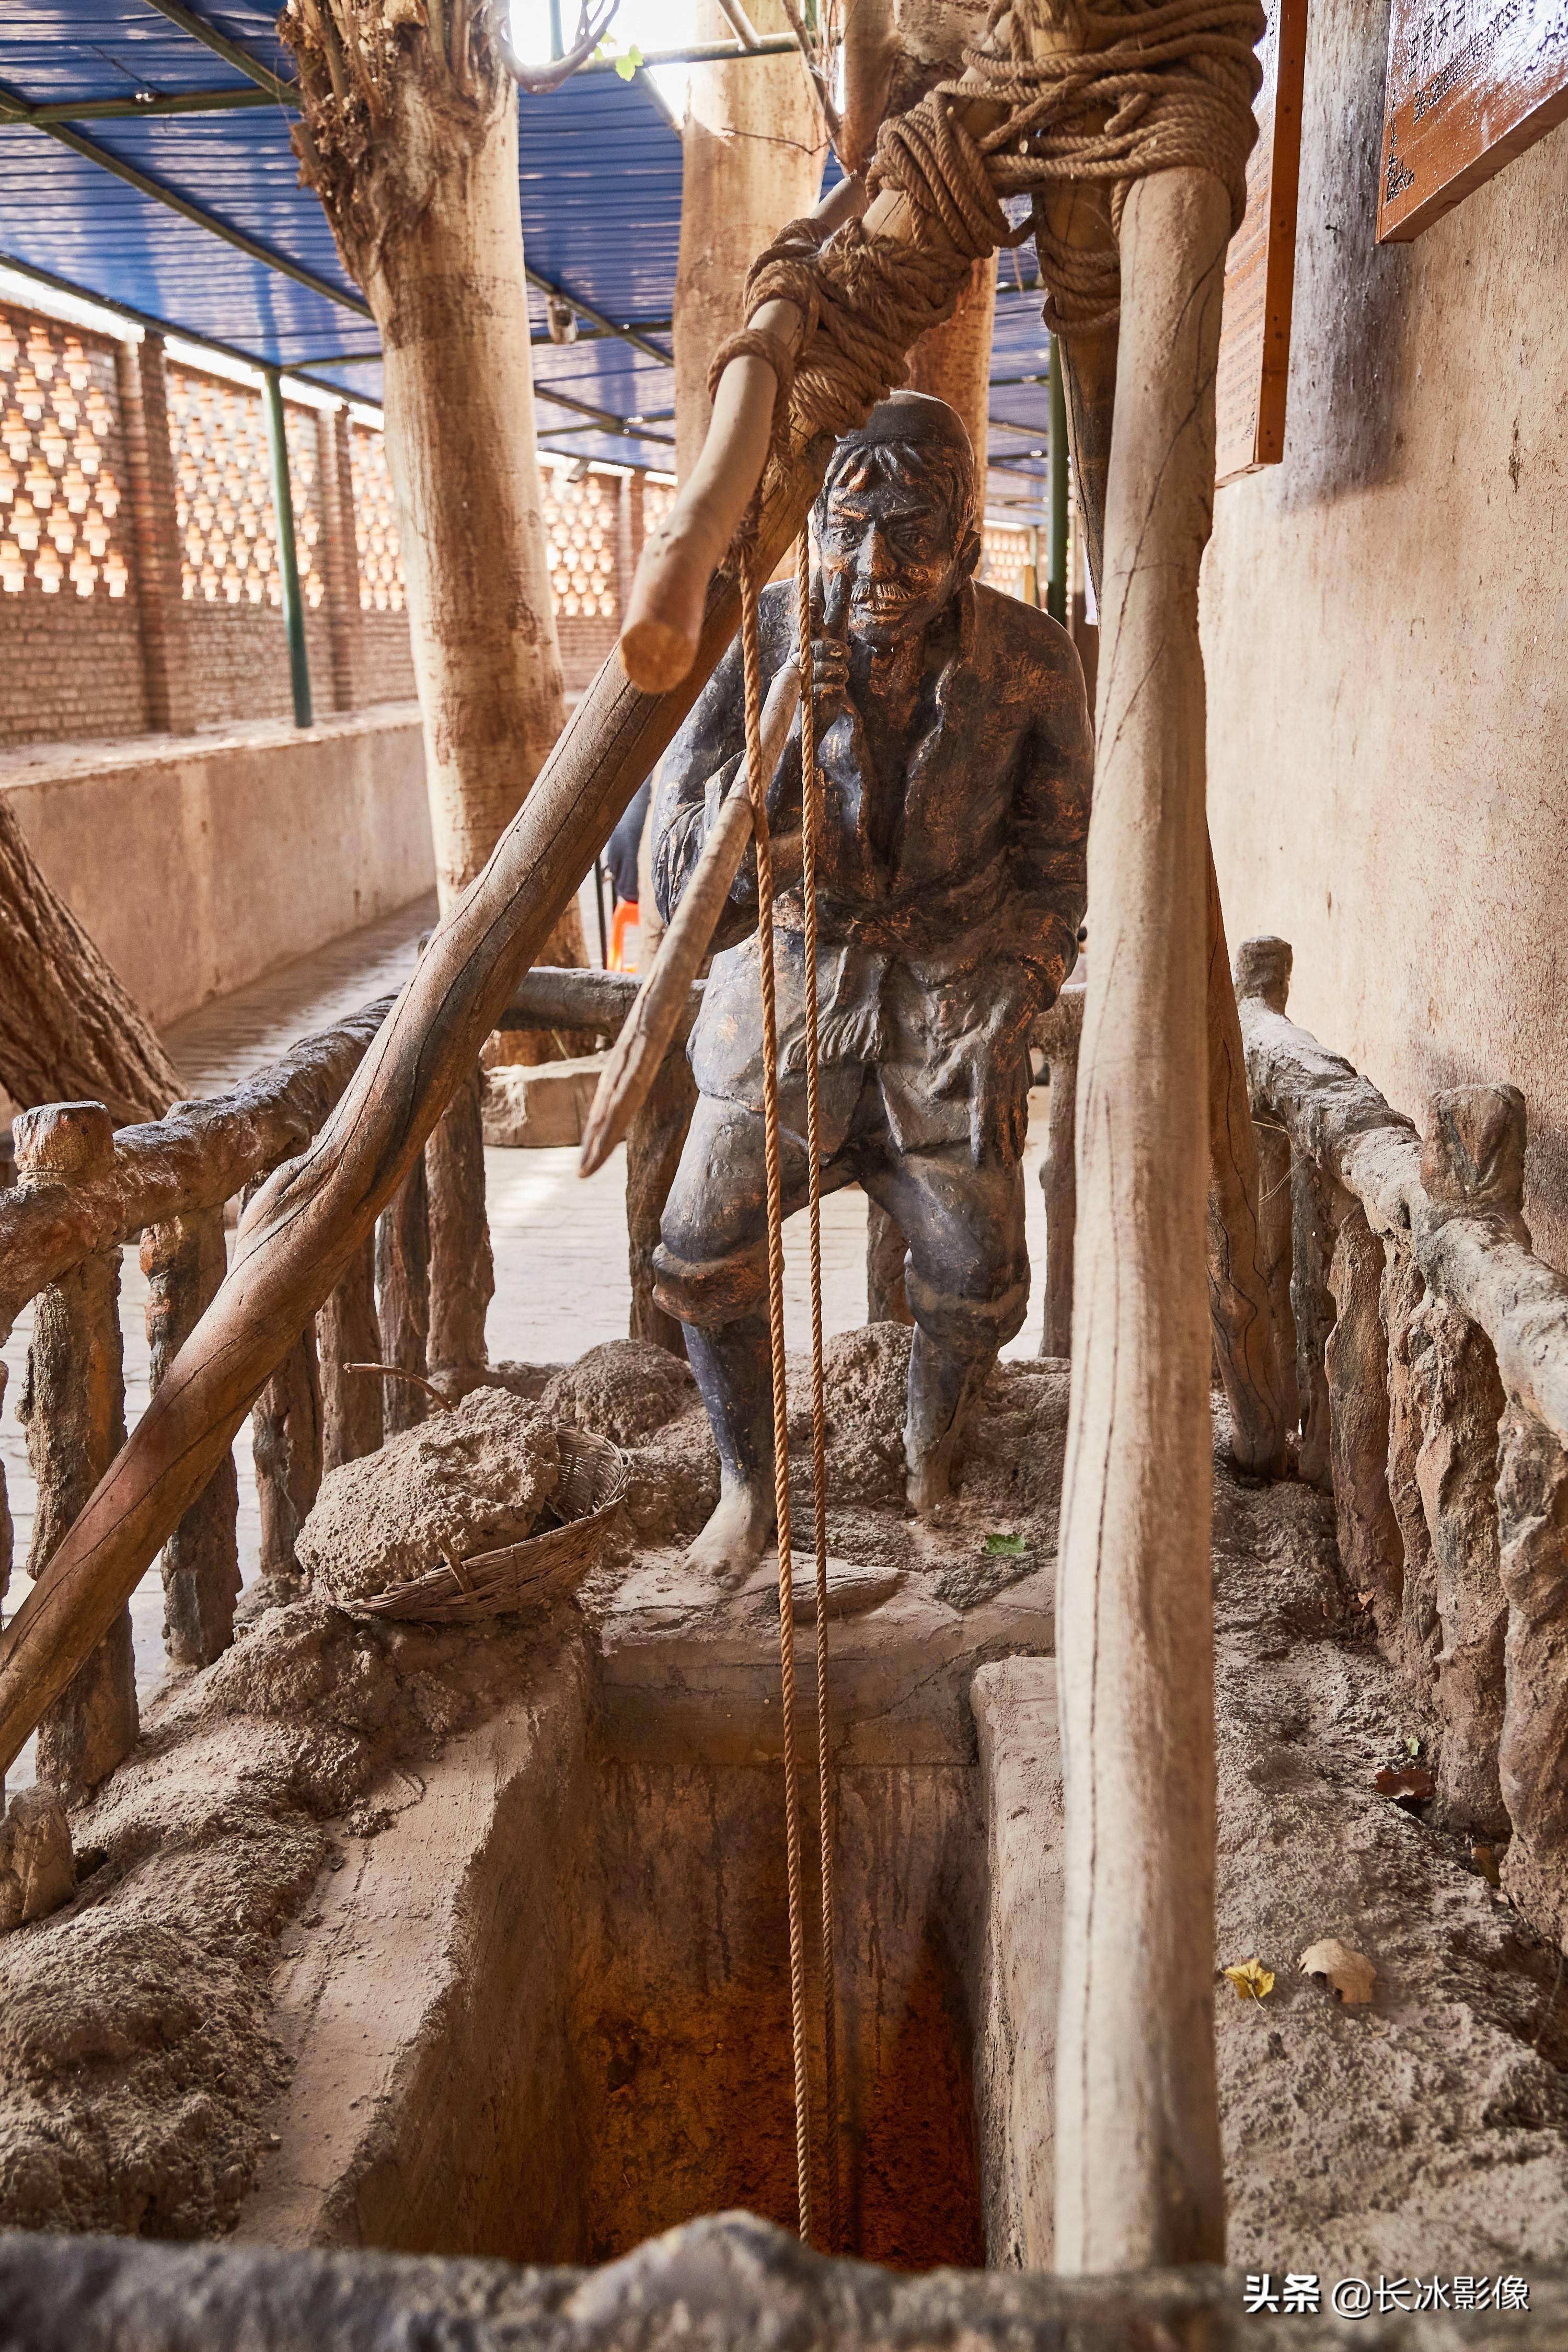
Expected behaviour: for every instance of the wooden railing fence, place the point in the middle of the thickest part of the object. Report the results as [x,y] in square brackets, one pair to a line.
[1428,1360]
[415,1297]
[1424,1349]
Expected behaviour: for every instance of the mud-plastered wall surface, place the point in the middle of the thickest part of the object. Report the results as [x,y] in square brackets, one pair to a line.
[1384,622]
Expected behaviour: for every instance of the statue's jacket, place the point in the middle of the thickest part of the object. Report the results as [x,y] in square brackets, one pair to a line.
[940,904]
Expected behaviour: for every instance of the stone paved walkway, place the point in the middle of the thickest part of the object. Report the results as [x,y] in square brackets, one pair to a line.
[560,1247]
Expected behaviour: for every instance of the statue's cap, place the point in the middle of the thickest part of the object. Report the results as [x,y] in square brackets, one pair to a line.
[911,416]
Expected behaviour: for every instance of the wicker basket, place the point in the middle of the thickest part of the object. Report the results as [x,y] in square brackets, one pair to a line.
[492,1583]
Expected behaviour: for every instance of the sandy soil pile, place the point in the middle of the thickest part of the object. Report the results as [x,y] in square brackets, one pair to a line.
[466,1480]
[136,2060]
[1427,2129]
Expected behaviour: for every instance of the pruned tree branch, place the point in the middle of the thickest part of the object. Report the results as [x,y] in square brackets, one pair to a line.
[816,46]
[594,21]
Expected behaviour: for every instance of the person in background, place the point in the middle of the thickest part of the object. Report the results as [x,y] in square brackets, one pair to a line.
[621,857]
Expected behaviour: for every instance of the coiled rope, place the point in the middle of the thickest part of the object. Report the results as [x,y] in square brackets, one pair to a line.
[1122,89]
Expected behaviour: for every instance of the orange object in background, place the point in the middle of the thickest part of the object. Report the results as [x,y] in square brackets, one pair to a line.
[624,921]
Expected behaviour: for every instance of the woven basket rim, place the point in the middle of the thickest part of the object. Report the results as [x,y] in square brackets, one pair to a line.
[443,1593]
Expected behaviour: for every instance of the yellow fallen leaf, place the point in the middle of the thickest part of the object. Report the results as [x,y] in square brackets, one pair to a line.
[1251,1979]
[1350,1975]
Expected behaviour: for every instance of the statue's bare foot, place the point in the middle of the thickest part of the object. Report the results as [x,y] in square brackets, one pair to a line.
[734,1539]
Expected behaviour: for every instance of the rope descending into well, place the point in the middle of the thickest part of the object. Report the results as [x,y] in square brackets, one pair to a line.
[1120,91]
[757,785]
[810,806]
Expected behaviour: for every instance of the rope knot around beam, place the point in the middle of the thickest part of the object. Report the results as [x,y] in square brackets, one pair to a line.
[1109,92]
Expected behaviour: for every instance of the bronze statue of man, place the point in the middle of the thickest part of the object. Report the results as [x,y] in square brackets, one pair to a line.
[954,742]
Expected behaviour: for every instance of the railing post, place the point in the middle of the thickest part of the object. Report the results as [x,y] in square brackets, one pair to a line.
[1472,1163]
[74,1408]
[1355,1365]
[184,1262]
[286,1440]
[1532,1755]
[1262,970]
[347,1333]
[402,1280]
[1402,1305]
[1240,1305]
[462,1270]
[1312,1311]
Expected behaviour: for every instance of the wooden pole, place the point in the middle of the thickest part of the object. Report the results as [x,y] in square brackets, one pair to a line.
[462,1269]
[1139,2175]
[403,1275]
[185,1260]
[347,1332]
[662,1001]
[74,1408]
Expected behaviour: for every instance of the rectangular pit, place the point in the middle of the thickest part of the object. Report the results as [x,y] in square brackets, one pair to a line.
[546,2015]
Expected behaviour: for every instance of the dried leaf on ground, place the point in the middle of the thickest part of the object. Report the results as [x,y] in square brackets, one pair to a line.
[1251,1979]
[1409,1785]
[1350,1976]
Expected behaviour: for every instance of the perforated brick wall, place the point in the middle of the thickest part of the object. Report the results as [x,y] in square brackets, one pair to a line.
[70,659]
[139,582]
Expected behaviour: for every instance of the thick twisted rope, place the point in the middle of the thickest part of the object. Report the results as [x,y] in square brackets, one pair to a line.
[1128,87]
[757,785]
[810,803]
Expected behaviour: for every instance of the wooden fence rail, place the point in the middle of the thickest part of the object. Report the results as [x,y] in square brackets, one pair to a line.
[1432,1370]
[84,1189]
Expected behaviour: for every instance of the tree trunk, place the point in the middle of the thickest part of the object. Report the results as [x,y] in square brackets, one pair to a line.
[411,147]
[69,1030]
[754,148]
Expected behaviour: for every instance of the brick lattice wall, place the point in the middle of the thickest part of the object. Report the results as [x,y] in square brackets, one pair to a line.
[69,608]
[1006,559]
[140,582]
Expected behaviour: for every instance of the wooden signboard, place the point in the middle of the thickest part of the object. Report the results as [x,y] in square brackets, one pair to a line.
[1261,269]
[1471,84]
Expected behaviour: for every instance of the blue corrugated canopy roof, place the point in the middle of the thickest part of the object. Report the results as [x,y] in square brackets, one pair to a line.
[96,201]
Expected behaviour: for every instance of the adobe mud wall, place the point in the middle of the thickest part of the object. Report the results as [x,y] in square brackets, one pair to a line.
[198,863]
[1382,620]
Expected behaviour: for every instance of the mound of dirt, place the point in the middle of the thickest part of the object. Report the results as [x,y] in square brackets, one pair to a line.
[468,1480]
[672,1482]
[624,1389]
[136,2057]
[1425,2130]
[867,1378]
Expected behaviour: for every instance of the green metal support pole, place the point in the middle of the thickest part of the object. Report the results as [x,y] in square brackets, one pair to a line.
[1056,590]
[287,554]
